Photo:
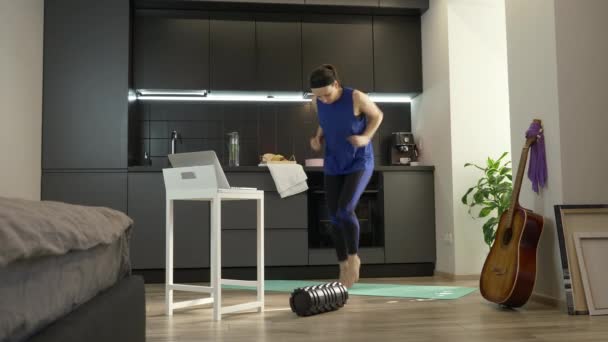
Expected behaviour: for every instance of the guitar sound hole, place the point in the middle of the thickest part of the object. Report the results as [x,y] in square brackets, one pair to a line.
[506,238]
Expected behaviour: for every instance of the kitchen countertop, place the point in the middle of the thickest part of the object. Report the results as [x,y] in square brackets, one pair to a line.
[383,168]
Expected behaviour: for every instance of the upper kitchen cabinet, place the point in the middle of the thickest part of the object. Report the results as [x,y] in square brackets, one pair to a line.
[233,52]
[171,52]
[422,5]
[279,52]
[397,54]
[364,3]
[85,84]
[280,2]
[345,42]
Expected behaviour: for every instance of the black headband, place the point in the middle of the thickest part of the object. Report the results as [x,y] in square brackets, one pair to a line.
[321,82]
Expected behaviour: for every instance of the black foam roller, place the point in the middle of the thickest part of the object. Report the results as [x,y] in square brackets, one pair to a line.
[312,300]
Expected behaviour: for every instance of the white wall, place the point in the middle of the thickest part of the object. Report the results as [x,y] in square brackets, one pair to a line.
[557,72]
[582,74]
[533,94]
[479,97]
[21,37]
[461,116]
[431,124]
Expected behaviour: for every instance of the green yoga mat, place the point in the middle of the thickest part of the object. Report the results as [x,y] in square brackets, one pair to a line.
[363,289]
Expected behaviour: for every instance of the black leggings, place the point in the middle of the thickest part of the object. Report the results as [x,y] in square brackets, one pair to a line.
[342,193]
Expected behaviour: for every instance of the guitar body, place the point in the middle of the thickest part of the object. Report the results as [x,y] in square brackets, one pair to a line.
[509,272]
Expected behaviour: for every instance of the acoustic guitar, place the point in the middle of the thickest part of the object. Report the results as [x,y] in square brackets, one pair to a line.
[509,272]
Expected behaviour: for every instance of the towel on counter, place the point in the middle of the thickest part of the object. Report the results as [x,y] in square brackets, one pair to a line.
[289,179]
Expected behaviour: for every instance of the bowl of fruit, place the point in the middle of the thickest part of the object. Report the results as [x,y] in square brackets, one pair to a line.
[271,158]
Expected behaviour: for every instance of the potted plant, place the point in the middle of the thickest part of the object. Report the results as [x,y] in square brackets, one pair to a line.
[492,194]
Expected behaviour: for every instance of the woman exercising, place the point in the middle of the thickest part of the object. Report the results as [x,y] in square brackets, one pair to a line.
[347,121]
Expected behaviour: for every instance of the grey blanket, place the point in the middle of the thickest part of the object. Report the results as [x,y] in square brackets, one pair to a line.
[39,228]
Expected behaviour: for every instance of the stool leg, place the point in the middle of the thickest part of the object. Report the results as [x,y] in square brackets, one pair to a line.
[216,258]
[169,259]
[260,251]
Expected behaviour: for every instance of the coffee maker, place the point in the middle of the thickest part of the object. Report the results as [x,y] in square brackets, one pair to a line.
[402,148]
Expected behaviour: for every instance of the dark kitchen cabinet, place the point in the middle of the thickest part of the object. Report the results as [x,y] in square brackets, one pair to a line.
[280,2]
[282,247]
[279,52]
[286,213]
[358,3]
[171,52]
[405,4]
[345,42]
[233,52]
[286,247]
[409,217]
[85,84]
[397,54]
[148,210]
[106,189]
[285,228]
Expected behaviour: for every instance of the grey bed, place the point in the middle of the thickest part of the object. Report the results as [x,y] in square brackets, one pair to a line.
[65,274]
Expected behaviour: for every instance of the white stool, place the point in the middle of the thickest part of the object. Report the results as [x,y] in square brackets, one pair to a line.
[198,183]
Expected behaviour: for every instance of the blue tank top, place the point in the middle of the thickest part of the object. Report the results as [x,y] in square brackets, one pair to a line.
[338,122]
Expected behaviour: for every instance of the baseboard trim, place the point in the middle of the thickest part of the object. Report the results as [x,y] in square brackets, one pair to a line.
[452,276]
[547,300]
[289,272]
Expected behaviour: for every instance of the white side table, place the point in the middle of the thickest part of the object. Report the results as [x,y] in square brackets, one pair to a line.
[189,183]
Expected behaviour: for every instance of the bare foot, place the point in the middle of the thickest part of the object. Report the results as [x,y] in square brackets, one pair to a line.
[354,264]
[345,278]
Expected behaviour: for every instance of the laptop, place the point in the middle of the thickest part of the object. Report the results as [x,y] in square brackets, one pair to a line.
[203,158]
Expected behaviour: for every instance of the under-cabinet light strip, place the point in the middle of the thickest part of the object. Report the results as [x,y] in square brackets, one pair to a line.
[203,96]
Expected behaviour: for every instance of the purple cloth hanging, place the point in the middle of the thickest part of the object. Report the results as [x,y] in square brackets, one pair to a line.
[537,170]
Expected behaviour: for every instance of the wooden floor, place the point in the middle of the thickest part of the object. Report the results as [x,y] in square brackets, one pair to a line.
[376,319]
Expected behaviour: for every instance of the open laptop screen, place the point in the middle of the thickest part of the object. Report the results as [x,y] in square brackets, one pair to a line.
[201,158]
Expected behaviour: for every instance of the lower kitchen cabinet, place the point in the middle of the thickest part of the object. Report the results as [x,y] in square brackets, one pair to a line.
[286,233]
[106,189]
[147,209]
[282,247]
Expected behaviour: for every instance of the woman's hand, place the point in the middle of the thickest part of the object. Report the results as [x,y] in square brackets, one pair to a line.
[358,140]
[315,143]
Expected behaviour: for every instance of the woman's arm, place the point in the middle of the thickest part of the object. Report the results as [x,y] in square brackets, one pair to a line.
[317,140]
[374,117]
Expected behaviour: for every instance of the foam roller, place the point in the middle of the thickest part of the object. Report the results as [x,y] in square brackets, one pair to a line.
[312,300]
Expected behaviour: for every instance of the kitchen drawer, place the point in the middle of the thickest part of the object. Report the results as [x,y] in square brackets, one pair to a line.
[286,247]
[261,180]
[281,248]
[289,212]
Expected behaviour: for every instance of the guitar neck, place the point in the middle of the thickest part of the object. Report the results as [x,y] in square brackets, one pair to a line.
[518,180]
[521,168]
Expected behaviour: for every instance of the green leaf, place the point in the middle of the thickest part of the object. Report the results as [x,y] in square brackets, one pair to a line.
[502,156]
[478,197]
[492,220]
[485,211]
[464,198]
[492,205]
[492,193]
[489,231]
[477,166]
[504,187]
